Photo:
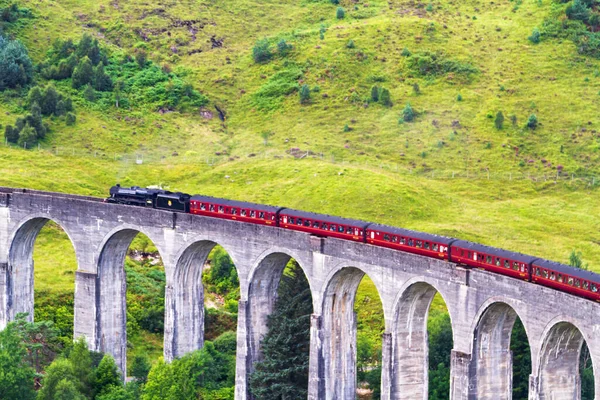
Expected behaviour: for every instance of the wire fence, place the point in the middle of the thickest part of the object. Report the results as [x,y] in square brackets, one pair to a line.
[191,157]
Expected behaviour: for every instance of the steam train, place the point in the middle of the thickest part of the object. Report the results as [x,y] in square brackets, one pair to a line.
[468,254]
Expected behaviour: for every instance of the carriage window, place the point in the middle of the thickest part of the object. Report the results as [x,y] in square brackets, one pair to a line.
[552,276]
[291,220]
[332,228]
[427,245]
[349,230]
[402,240]
[261,215]
[212,207]
[221,209]
[395,239]
[272,217]
[299,221]
[594,288]
[577,284]
[522,267]
[537,271]
[545,273]
[253,214]
[419,244]
[306,222]
[435,247]
[497,261]
[586,285]
[202,206]
[410,242]
[570,281]
[360,232]
[316,224]
[243,213]
[516,266]
[341,229]
[324,226]
[480,257]
[560,278]
[506,264]
[489,259]
[386,237]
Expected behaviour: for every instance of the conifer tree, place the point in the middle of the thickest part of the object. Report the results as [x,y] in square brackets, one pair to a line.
[283,373]
[499,121]
[107,375]
[83,73]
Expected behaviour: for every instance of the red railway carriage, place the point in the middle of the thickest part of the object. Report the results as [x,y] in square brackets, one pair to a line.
[492,259]
[410,241]
[234,210]
[566,278]
[322,225]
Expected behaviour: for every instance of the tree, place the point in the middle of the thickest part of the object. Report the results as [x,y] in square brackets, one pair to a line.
[60,370]
[16,375]
[160,382]
[11,134]
[375,93]
[532,122]
[283,373]
[535,36]
[34,95]
[141,57]
[576,261]
[27,137]
[89,93]
[66,390]
[304,94]
[70,120]
[116,393]
[102,81]
[60,109]
[340,13]
[83,73]
[283,48]
[261,52]
[16,68]
[81,360]
[140,368]
[499,121]
[50,99]
[408,114]
[107,375]
[385,97]
[265,135]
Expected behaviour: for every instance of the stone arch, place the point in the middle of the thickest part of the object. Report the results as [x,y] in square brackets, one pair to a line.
[339,332]
[20,288]
[410,346]
[558,366]
[186,298]
[491,364]
[112,287]
[263,283]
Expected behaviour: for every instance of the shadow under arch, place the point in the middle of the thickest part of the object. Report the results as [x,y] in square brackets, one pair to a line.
[410,345]
[111,336]
[339,327]
[20,290]
[558,368]
[491,367]
[187,299]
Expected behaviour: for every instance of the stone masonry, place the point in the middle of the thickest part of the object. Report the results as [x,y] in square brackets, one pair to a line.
[482,306]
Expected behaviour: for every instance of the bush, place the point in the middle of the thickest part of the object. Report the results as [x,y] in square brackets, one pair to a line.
[89,93]
[535,36]
[350,44]
[83,73]
[141,58]
[408,114]
[433,64]
[385,97]
[499,120]
[405,52]
[459,97]
[334,1]
[16,68]
[261,52]
[578,10]
[71,119]
[283,48]
[304,94]
[375,93]
[11,134]
[340,13]
[532,122]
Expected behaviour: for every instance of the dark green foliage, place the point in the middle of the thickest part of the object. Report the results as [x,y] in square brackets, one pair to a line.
[140,367]
[11,134]
[107,375]
[578,10]
[439,330]
[83,367]
[283,373]
[519,345]
[222,276]
[384,97]
[60,370]
[283,48]
[27,137]
[145,297]
[102,81]
[89,47]
[375,93]
[435,64]
[350,44]
[459,97]
[226,343]
[11,13]
[499,121]
[57,308]
[281,84]
[416,88]
[304,94]
[408,114]
[71,119]
[576,261]
[83,73]
[66,390]
[261,52]
[334,1]
[61,109]
[340,13]
[17,375]
[532,122]
[217,322]
[141,58]
[405,52]
[535,36]
[16,68]
[586,370]
[89,93]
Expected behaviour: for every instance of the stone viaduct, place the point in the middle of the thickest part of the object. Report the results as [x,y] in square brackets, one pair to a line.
[483,306]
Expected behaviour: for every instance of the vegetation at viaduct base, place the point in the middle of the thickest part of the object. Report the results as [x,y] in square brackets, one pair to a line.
[469,118]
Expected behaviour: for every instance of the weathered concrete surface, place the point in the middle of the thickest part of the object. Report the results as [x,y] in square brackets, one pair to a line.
[482,306]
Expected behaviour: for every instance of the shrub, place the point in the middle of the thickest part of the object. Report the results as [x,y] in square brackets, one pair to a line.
[408,114]
[283,48]
[89,93]
[70,120]
[350,44]
[375,93]
[304,94]
[405,52]
[16,68]
[578,10]
[102,81]
[60,108]
[416,88]
[433,64]
[261,52]
[459,97]
[340,13]
[535,36]
[334,1]
[11,134]
[385,97]
[499,120]
[83,73]
[27,137]
[141,58]
[532,122]
[283,83]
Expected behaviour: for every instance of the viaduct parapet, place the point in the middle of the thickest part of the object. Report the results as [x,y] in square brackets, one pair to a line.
[482,306]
